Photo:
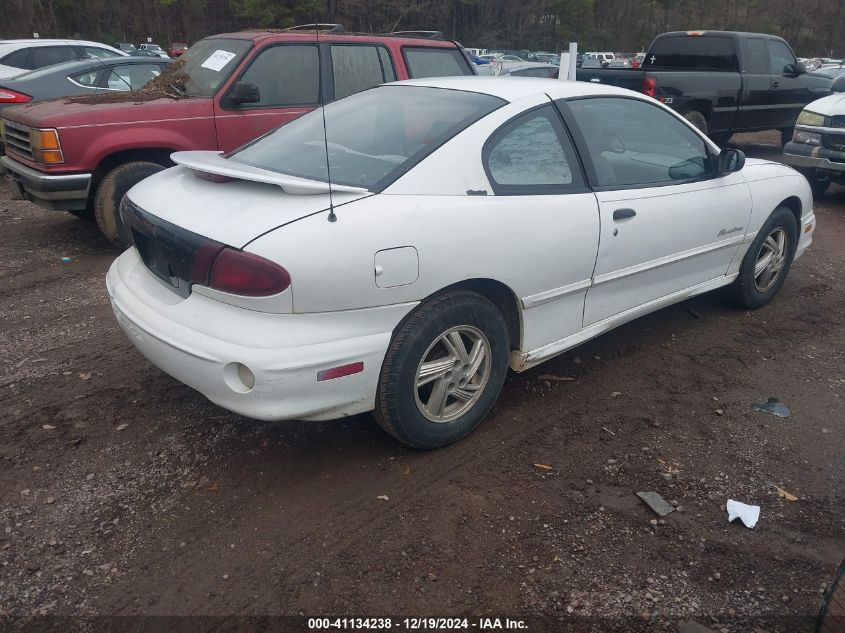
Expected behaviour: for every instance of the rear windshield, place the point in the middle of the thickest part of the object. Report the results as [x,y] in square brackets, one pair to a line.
[208,64]
[373,136]
[693,52]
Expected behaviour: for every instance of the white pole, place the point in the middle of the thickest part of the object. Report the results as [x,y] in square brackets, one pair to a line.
[573,58]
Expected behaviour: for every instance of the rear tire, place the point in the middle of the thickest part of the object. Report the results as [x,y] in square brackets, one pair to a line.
[110,192]
[697,119]
[443,370]
[767,262]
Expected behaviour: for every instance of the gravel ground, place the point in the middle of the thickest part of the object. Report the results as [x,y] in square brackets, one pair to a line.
[124,493]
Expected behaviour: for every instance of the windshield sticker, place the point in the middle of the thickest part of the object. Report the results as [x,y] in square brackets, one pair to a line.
[217,60]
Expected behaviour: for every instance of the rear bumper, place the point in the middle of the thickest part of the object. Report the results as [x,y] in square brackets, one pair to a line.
[813,157]
[200,342]
[65,192]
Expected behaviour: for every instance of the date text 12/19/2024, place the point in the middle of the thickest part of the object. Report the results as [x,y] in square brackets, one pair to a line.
[416,624]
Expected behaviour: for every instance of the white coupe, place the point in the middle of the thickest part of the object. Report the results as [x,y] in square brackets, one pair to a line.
[444,230]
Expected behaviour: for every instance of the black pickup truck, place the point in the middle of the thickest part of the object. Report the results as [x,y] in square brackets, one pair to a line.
[723,81]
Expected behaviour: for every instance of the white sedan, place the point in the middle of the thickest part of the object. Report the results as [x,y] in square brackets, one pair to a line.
[446,230]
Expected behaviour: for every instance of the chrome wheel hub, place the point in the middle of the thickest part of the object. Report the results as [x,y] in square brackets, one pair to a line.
[771,260]
[453,373]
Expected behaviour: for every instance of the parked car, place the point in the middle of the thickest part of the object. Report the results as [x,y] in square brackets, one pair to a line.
[589,63]
[79,78]
[240,86]
[637,61]
[724,82]
[619,63]
[525,69]
[153,48]
[548,58]
[177,49]
[604,58]
[831,71]
[19,56]
[817,148]
[126,47]
[240,285]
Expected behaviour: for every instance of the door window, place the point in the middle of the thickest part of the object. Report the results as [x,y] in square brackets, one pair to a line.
[781,58]
[131,76]
[632,142]
[532,155]
[435,62]
[43,56]
[285,76]
[758,57]
[357,68]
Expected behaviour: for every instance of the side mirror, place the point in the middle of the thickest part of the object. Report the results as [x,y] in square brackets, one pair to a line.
[839,84]
[243,92]
[730,161]
[801,68]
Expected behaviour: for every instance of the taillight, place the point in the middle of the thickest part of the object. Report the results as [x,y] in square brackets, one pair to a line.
[11,96]
[246,274]
[649,86]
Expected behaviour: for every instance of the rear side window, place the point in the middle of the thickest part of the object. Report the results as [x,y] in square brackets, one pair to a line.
[357,68]
[87,78]
[43,56]
[286,76]
[531,155]
[16,59]
[131,76]
[693,52]
[435,62]
[758,56]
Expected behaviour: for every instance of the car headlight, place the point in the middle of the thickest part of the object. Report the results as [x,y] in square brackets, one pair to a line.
[810,118]
[808,138]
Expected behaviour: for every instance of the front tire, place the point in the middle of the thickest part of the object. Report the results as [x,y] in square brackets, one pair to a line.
[767,262]
[818,183]
[110,192]
[443,370]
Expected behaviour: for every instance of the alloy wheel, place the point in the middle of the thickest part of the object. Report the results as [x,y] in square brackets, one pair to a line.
[453,373]
[771,260]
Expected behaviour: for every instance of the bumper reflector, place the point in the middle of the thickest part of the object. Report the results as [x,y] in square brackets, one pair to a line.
[340,372]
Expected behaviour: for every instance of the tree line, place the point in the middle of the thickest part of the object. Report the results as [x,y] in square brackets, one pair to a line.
[813,27]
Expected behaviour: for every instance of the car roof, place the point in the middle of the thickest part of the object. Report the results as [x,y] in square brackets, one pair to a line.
[310,36]
[45,42]
[517,88]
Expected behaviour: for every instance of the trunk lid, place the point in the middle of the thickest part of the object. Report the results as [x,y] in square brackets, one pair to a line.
[234,212]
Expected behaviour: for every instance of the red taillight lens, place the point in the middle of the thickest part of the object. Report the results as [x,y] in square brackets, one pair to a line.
[649,86]
[246,274]
[10,96]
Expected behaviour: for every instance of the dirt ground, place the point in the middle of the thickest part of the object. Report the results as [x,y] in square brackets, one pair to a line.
[124,493]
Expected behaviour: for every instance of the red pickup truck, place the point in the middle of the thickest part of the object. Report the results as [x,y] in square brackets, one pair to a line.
[83,157]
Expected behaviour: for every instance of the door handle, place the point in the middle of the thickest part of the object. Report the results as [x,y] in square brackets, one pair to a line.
[775,84]
[623,214]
